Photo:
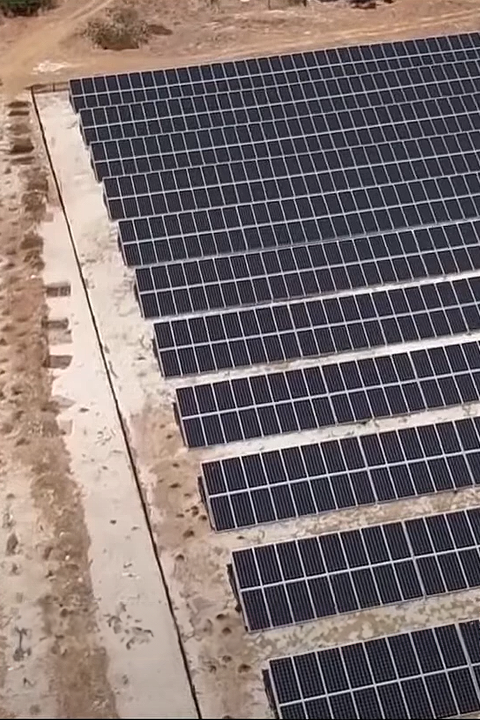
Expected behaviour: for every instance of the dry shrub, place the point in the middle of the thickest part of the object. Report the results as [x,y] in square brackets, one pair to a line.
[24,7]
[121,28]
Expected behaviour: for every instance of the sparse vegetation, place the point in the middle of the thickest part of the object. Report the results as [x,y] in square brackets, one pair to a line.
[121,28]
[24,7]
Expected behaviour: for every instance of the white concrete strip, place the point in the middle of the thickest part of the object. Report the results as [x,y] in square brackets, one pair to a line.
[146,668]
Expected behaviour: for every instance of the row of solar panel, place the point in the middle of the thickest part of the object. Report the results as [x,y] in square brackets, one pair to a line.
[357,86]
[375,114]
[300,271]
[302,580]
[295,400]
[333,158]
[319,327]
[293,161]
[314,193]
[266,224]
[84,92]
[337,474]
[181,150]
[421,675]
[214,96]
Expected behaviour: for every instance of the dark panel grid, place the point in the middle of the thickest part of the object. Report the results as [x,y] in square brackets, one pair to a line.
[318,327]
[301,580]
[426,674]
[301,270]
[294,158]
[298,177]
[314,397]
[331,214]
[103,91]
[338,474]
[459,98]
[286,137]
[352,91]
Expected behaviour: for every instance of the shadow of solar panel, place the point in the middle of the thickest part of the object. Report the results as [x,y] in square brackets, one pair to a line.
[430,673]
[338,474]
[301,580]
[314,397]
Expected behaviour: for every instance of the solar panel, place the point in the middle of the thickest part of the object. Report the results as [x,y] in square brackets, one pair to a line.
[299,176]
[205,130]
[302,580]
[189,81]
[338,474]
[337,393]
[168,152]
[432,673]
[286,100]
[273,275]
[331,214]
[292,331]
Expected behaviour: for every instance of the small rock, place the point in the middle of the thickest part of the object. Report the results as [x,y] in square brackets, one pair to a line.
[12,544]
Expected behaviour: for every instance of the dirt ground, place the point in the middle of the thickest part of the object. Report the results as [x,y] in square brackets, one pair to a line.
[52,662]
[49,648]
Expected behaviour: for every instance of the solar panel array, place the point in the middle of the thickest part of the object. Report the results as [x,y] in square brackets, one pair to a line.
[294,208]
[301,580]
[317,327]
[432,673]
[333,394]
[339,474]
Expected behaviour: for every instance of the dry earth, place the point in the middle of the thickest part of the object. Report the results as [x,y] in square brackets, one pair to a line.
[49,649]
[52,662]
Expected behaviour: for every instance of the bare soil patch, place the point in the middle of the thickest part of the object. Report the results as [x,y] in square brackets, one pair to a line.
[73,668]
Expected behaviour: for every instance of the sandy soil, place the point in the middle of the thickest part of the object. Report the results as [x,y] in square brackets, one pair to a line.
[52,662]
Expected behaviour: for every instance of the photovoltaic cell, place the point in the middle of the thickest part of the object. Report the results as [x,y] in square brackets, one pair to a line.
[302,580]
[314,397]
[339,474]
[291,331]
[412,675]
